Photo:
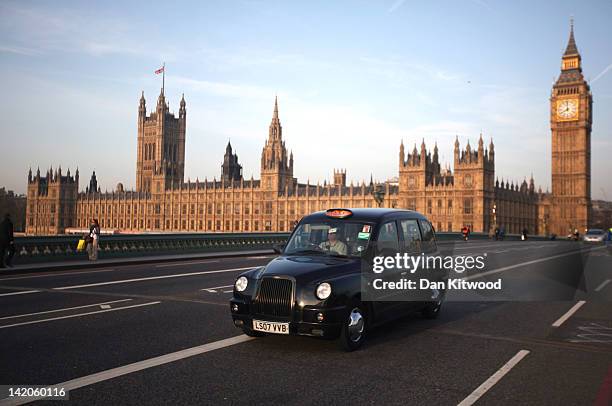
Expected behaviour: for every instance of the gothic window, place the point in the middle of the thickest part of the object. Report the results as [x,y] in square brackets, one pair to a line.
[467,206]
[411,182]
[467,181]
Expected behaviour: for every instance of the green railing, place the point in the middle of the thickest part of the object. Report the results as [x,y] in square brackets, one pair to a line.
[63,248]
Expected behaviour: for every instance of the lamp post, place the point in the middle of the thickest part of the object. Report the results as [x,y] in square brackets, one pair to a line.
[494,218]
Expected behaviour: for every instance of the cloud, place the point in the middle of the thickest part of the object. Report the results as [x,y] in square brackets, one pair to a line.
[405,72]
[602,73]
[34,31]
[224,89]
[19,50]
[396,5]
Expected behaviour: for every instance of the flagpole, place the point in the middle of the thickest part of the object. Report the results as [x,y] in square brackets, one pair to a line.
[163,77]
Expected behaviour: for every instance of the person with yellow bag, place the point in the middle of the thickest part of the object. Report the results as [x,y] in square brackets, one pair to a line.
[92,240]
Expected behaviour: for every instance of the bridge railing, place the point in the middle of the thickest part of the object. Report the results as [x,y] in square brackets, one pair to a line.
[63,248]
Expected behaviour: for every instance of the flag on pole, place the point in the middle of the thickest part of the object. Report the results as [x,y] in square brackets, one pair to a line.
[160,70]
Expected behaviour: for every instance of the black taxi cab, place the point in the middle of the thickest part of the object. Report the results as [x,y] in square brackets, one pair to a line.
[314,287]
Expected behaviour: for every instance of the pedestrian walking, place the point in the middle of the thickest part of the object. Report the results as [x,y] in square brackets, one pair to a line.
[94,238]
[7,242]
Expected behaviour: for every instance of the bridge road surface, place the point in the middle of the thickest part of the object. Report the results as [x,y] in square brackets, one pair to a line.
[99,331]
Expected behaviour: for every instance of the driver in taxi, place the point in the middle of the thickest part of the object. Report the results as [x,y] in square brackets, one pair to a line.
[333,244]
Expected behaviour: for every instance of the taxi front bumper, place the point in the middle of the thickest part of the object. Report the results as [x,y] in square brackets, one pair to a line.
[311,321]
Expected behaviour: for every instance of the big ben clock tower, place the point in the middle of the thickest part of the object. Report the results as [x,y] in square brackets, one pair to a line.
[570,121]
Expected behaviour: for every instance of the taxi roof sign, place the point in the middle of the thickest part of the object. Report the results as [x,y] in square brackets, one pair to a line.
[338,213]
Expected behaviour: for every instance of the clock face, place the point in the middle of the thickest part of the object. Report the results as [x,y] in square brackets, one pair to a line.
[567,109]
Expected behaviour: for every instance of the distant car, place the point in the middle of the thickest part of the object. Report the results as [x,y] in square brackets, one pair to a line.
[595,235]
[314,288]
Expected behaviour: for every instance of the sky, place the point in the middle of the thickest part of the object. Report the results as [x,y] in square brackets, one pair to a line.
[353,79]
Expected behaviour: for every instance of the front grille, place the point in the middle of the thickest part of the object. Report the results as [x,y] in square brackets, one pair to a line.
[274,298]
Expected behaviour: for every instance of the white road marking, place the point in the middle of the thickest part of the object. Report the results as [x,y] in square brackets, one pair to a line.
[214,290]
[105,307]
[535,261]
[135,367]
[55,274]
[150,278]
[227,291]
[79,315]
[603,284]
[186,263]
[64,309]
[496,377]
[569,313]
[21,292]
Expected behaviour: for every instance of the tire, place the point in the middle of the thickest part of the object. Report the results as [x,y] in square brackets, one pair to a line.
[253,333]
[354,329]
[432,309]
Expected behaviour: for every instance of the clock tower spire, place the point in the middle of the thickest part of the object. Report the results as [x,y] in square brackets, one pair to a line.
[570,121]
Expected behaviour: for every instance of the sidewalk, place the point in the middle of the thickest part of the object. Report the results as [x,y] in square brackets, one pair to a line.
[68,265]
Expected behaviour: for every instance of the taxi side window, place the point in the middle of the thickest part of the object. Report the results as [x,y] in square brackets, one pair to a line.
[411,234]
[429,243]
[388,237]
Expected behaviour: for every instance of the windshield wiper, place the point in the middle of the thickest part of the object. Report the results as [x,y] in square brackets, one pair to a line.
[306,252]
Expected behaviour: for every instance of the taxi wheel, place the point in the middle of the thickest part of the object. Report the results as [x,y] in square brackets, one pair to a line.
[253,333]
[432,310]
[354,330]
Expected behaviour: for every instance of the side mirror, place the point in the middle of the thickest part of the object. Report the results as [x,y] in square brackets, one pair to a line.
[278,248]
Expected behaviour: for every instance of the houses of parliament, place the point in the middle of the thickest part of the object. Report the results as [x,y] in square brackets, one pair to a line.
[468,195]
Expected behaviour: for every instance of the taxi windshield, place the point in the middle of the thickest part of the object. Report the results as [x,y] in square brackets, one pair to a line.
[330,237]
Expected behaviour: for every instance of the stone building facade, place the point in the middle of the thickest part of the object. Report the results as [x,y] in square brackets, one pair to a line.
[468,194]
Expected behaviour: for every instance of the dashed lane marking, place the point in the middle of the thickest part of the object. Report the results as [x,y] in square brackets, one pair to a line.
[493,379]
[135,367]
[214,289]
[187,263]
[21,292]
[63,309]
[78,272]
[150,278]
[79,315]
[603,285]
[535,261]
[568,314]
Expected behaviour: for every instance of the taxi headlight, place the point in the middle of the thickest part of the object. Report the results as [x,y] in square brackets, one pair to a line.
[241,283]
[324,290]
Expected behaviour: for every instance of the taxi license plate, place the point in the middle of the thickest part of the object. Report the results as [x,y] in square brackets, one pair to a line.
[271,327]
